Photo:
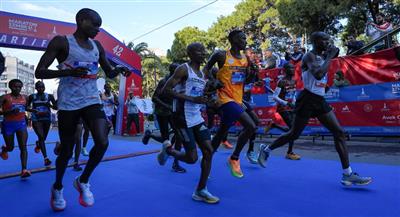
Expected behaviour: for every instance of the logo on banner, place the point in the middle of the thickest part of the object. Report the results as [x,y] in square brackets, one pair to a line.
[332,94]
[396,88]
[363,95]
[368,108]
[259,112]
[385,108]
[22,25]
[396,75]
[345,109]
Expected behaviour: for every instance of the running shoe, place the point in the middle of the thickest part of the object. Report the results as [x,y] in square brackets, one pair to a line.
[146,137]
[85,195]
[293,156]
[177,168]
[234,166]
[162,157]
[47,162]
[4,153]
[25,173]
[205,196]
[37,147]
[355,179]
[252,157]
[57,201]
[84,151]
[227,144]
[262,155]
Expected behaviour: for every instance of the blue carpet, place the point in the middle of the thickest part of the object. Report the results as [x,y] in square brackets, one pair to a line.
[140,187]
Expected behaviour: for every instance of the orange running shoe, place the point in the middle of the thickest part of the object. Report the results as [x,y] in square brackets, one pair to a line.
[293,156]
[227,144]
[25,173]
[4,153]
[234,165]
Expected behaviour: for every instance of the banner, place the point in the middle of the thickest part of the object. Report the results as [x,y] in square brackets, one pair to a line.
[370,106]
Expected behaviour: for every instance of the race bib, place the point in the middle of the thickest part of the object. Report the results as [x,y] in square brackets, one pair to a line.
[248,87]
[322,82]
[91,66]
[20,107]
[237,77]
[196,91]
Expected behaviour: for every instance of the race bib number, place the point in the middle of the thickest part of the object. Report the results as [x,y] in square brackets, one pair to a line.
[322,82]
[92,67]
[20,107]
[237,77]
[196,91]
[248,87]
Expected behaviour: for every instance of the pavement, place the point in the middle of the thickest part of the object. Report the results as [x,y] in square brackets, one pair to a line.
[375,150]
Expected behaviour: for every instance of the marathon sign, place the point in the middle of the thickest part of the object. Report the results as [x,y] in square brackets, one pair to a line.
[33,33]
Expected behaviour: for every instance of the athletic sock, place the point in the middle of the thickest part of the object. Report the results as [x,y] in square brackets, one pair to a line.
[347,171]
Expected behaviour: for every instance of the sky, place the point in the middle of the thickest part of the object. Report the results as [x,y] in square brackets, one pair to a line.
[124,19]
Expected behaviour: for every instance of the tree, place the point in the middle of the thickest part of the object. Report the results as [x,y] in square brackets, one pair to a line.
[152,67]
[183,38]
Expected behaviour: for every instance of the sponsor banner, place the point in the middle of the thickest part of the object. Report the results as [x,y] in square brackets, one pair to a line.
[28,32]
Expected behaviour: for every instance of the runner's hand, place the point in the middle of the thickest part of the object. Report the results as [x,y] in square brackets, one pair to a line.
[200,99]
[78,72]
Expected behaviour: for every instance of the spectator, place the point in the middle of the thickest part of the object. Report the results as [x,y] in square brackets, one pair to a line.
[133,115]
[381,27]
[271,60]
[2,63]
[353,45]
[294,57]
[340,80]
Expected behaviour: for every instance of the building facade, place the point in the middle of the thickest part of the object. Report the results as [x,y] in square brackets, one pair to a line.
[18,69]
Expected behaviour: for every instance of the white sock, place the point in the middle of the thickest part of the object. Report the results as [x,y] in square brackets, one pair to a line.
[347,171]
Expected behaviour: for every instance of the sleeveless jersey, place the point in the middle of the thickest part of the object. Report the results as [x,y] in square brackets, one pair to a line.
[288,92]
[311,83]
[78,92]
[232,75]
[108,103]
[10,103]
[41,103]
[193,86]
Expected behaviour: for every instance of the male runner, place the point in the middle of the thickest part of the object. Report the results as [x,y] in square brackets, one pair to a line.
[233,72]
[163,112]
[78,56]
[311,103]
[13,109]
[187,87]
[41,120]
[109,100]
[285,97]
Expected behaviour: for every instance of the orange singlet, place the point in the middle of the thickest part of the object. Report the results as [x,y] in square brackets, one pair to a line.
[232,75]
[10,102]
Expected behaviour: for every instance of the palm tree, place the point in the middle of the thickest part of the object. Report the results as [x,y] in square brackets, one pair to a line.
[152,67]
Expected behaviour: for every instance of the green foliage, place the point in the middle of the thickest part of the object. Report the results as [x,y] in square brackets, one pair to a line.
[183,38]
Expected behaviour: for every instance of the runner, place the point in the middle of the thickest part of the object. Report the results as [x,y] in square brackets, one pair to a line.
[41,120]
[233,73]
[187,85]
[285,97]
[311,103]
[163,112]
[78,56]
[109,100]
[13,109]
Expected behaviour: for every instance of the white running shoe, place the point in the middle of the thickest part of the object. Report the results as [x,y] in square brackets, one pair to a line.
[85,195]
[57,201]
